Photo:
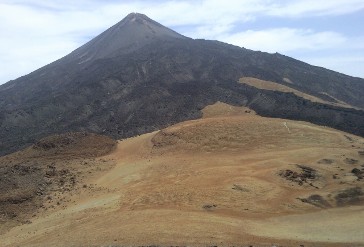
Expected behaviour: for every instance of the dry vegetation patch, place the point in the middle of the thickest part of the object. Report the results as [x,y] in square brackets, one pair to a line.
[57,163]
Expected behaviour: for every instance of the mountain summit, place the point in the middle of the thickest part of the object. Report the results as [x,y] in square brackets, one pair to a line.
[133,32]
[139,76]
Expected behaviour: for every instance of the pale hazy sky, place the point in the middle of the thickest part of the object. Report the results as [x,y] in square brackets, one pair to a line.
[327,33]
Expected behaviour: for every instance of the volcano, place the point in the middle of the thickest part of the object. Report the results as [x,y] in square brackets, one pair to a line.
[139,76]
[133,32]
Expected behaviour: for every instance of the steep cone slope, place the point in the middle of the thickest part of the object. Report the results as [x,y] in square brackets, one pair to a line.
[133,32]
[139,76]
[227,180]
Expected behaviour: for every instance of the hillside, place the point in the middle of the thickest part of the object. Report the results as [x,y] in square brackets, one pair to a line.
[45,171]
[230,178]
[139,76]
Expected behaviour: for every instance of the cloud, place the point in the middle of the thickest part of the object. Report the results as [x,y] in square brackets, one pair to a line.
[285,39]
[309,8]
[348,63]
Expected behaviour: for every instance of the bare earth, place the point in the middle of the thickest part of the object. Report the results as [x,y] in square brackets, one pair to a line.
[273,86]
[231,178]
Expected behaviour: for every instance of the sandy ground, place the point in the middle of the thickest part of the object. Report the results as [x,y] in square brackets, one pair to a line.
[273,86]
[213,181]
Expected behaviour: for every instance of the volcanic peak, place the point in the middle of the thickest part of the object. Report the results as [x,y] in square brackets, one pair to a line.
[138,17]
[131,33]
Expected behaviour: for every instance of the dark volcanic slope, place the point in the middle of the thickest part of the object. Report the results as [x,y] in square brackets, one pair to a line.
[139,76]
